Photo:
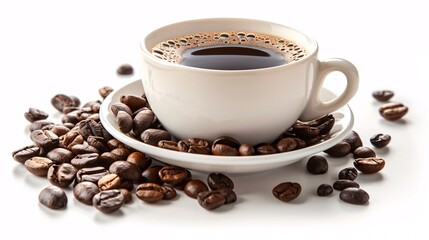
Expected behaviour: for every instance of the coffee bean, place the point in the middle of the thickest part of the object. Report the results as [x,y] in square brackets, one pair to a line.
[121,152]
[383,95]
[167,144]
[59,130]
[23,154]
[60,101]
[169,192]
[71,138]
[114,143]
[142,121]
[211,199]
[229,194]
[349,173]
[84,192]
[317,165]
[53,197]
[60,155]
[286,144]
[108,201]
[125,69]
[341,149]
[84,148]
[354,196]
[140,160]
[98,143]
[363,152]
[86,160]
[91,174]
[194,145]
[107,158]
[324,190]
[225,146]
[35,114]
[150,192]
[354,140]
[246,150]
[152,136]
[116,107]
[127,184]
[90,127]
[126,170]
[193,187]
[109,181]
[150,175]
[38,166]
[105,91]
[393,111]
[44,139]
[173,175]
[127,195]
[264,149]
[324,124]
[369,165]
[124,121]
[342,184]
[219,180]
[133,102]
[61,175]
[39,125]
[305,131]
[287,191]
[380,140]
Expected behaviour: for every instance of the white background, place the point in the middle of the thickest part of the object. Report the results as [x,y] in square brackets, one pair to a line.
[74,47]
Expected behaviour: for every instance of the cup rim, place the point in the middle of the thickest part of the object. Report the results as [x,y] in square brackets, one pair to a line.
[148,55]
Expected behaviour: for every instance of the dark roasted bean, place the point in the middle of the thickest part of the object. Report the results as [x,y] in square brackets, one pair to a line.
[286,144]
[142,121]
[39,125]
[225,146]
[44,139]
[127,195]
[127,184]
[383,95]
[211,199]
[349,173]
[219,180]
[124,121]
[60,101]
[265,148]
[91,174]
[169,192]
[229,194]
[193,187]
[108,201]
[121,152]
[324,190]
[60,155]
[171,145]
[114,143]
[109,181]
[23,154]
[140,160]
[125,69]
[341,149]
[84,192]
[380,140]
[369,165]
[287,191]
[38,166]
[173,175]
[98,142]
[126,170]
[133,102]
[83,149]
[246,150]
[89,127]
[116,107]
[363,152]
[151,175]
[59,130]
[305,131]
[354,196]
[53,197]
[354,140]
[61,175]
[86,160]
[107,158]
[35,114]
[317,165]
[342,184]
[393,111]
[150,192]
[152,136]
[105,91]
[71,138]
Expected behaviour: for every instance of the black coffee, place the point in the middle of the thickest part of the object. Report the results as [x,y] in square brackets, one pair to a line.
[229,50]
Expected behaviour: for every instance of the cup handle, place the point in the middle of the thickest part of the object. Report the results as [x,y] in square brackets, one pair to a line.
[317,108]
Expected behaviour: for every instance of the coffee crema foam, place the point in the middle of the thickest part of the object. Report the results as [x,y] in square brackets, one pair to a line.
[171,50]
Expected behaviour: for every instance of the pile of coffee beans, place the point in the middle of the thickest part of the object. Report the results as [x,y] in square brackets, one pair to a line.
[135,118]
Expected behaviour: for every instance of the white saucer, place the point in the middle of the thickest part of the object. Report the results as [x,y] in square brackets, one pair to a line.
[208,163]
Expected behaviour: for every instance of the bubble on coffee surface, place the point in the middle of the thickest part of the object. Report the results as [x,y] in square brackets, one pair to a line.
[171,50]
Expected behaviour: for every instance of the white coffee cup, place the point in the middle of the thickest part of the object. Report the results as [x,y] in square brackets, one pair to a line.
[254,106]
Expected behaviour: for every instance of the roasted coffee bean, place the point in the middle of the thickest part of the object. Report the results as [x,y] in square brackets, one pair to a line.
[124,121]
[60,101]
[125,69]
[225,146]
[152,136]
[317,165]
[286,144]
[264,149]
[53,197]
[107,158]
[23,154]
[127,195]
[349,173]
[246,150]
[38,166]
[84,192]
[60,155]
[108,201]
[116,107]
[59,130]
[324,124]
[287,191]
[91,104]
[229,194]
[363,152]
[198,150]
[105,91]
[70,117]
[61,175]
[126,170]
[71,138]
[341,149]
[35,114]
[383,95]
[150,175]
[171,145]
[133,102]
[324,190]
[150,192]
[354,140]
[305,131]
[99,143]
[194,145]
[169,192]
[90,127]
[173,175]
[91,174]
[142,121]
[354,196]
[83,149]
[211,199]
[380,140]
[369,165]
[85,160]
[67,110]
[121,152]
[127,184]
[44,139]
[39,125]
[114,143]
[193,187]
[203,143]
[219,180]
[393,111]
[140,160]
[110,181]
[342,184]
